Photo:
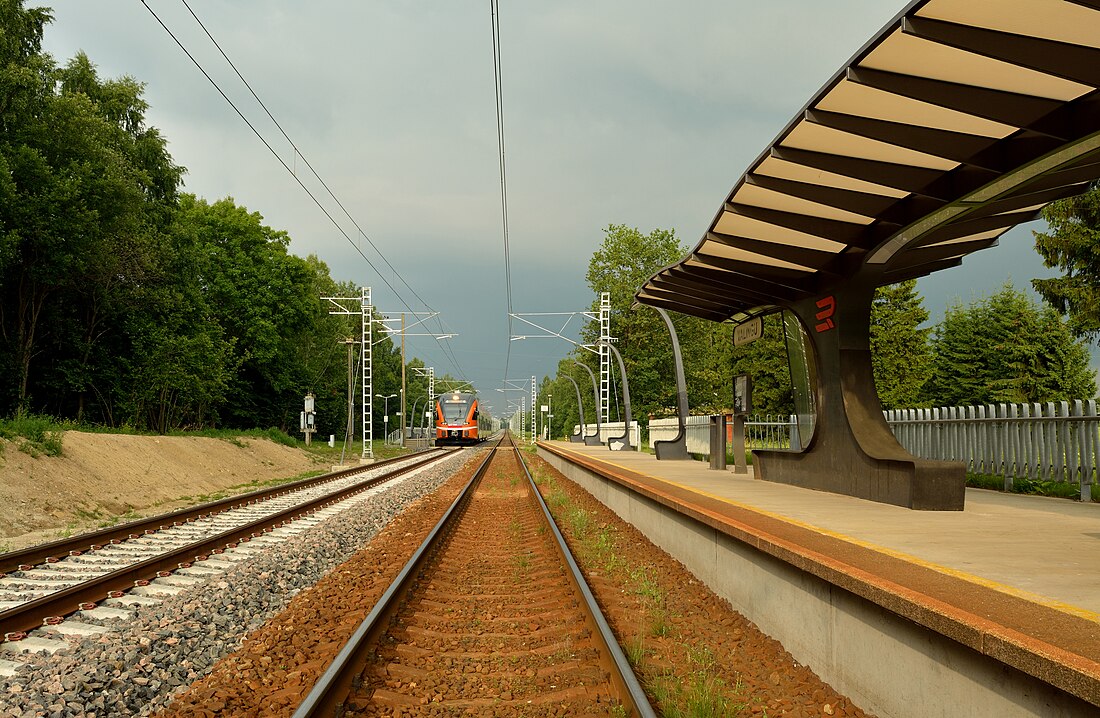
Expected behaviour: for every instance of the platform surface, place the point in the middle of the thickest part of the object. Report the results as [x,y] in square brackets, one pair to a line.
[1045,550]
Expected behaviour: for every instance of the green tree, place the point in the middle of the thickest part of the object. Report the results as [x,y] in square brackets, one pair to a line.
[1072,244]
[85,187]
[1006,349]
[621,264]
[901,357]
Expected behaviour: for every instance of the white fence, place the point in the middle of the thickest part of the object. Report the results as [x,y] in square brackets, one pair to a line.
[697,428]
[614,428]
[1057,441]
[768,432]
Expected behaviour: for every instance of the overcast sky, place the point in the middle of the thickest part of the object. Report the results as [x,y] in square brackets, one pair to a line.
[636,113]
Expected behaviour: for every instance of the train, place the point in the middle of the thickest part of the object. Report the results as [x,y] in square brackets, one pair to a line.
[457,419]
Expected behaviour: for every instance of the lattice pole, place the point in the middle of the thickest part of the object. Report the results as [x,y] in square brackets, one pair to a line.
[605,357]
[534,396]
[431,399]
[368,379]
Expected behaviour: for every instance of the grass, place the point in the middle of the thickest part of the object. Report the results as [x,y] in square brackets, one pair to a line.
[42,435]
[36,435]
[352,452]
[246,487]
[1038,487]
[699,694]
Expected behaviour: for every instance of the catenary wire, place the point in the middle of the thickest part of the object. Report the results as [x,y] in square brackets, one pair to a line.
[299,153]
[494,12]
[311,195]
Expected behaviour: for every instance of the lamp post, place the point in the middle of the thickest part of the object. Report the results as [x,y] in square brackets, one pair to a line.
[412,418]
[548,416]
[386,417]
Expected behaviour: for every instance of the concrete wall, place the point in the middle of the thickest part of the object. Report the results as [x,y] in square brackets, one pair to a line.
[883,662]
[614,428]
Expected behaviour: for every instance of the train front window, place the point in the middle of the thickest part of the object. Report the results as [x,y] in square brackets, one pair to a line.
[454,411]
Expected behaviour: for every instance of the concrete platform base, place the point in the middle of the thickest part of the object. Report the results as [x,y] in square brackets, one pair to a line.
[894,652]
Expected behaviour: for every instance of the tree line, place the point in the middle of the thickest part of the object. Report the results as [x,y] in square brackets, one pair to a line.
[1001,348]
[125,301]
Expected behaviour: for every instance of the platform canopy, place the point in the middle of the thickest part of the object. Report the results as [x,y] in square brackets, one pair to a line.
[959,120]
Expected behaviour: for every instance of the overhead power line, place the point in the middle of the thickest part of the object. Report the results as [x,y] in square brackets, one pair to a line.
[446,350]
[494,12]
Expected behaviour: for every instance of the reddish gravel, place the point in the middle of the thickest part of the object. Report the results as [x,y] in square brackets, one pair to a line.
[278,664]
[696,656]
[495,628]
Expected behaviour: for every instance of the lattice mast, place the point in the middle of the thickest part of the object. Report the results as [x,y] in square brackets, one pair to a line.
[605,358]
[368,378]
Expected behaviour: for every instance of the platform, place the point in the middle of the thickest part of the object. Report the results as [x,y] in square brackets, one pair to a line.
[1012,580]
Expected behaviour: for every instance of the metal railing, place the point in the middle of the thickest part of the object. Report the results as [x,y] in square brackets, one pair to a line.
[1052,441]
[778,432]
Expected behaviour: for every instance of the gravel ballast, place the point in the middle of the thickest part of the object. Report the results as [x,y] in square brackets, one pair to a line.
[136,668]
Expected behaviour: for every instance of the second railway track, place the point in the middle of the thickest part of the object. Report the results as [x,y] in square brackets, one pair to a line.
[158,556]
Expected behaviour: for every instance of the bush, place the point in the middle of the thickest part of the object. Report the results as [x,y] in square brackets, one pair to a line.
[1058,489]
[40,434]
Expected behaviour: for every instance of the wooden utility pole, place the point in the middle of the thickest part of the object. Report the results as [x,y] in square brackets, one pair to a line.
[351,342]
[402,380]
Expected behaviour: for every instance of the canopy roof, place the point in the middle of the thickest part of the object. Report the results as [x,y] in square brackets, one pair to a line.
[958,121]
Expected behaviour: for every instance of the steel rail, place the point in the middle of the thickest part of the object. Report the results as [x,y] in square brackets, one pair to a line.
[615,661]
[41,553]
[69,600]
[334,685]
[331,690]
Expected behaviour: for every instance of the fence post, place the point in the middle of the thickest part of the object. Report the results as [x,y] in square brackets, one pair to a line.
[1078,432]
[1092,454]
[982,452]
[1014,446]
[1058,472]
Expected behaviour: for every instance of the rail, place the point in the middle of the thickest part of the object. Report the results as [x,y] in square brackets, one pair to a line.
[42,553]
[622,675]
[332,689]
[70,600]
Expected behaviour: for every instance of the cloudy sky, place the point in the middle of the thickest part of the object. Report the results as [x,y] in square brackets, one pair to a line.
[615,112]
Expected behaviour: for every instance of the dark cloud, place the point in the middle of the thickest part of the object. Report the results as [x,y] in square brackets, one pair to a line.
[615,112]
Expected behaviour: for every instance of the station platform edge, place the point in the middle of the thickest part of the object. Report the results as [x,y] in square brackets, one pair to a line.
[1011,577]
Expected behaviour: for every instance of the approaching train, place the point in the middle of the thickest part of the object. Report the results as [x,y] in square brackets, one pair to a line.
[456,419]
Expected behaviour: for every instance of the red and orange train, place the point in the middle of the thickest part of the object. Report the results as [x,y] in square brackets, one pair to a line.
[456,419]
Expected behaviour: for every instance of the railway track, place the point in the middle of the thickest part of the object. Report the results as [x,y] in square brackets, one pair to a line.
[490,614]
[48,590]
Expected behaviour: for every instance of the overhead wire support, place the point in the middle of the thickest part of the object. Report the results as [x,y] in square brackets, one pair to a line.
[550,333]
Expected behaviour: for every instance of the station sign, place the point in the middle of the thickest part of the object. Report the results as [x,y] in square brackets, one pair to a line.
[748,332]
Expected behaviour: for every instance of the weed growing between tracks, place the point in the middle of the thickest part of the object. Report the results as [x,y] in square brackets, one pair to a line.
[599,549]
[694,655]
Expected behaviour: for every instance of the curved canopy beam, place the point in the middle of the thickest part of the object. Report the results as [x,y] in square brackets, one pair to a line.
[959,120]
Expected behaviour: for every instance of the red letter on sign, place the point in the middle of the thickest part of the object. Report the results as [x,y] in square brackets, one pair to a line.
[828,309]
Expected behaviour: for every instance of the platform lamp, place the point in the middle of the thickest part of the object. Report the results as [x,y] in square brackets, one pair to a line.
[386,416]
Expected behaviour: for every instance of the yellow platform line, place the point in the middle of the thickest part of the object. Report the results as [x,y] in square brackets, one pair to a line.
[947,570]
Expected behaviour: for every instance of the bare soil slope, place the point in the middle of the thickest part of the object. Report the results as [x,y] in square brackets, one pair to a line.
[102,476]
